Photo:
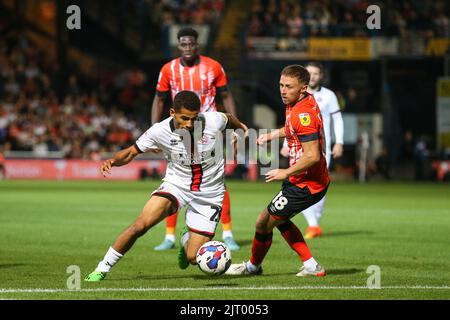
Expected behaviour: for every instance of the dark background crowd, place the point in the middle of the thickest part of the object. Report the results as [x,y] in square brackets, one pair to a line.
[41,111]
[47,110]
[346,18]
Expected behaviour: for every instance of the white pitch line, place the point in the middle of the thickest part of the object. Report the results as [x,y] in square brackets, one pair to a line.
[43,290]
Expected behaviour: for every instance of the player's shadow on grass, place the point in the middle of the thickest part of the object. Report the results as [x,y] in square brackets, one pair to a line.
[197,277]
[248,243]
[344,271]
[244,243]
[156,277]
[334,272]
[222,284]
[347,233]
[11,265]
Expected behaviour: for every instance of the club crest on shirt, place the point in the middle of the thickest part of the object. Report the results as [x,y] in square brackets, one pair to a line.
[305,120]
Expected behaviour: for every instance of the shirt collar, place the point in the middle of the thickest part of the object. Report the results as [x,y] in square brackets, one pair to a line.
[307,94]
[197,62]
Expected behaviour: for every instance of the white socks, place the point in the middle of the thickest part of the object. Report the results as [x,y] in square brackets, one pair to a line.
[251,267]
[310,264]
[184,239]
[170,237]
[226,234]
[110,259]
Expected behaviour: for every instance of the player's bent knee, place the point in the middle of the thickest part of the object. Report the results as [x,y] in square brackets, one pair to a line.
[262,225]
[284,225]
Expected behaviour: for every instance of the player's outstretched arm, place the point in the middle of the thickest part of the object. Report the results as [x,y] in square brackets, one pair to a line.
[120,158]
[266,137]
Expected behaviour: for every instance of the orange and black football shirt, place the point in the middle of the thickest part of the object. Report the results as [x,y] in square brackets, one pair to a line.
[303,124]
[205,78]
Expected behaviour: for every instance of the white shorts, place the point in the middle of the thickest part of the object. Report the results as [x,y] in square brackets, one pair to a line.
[204,208]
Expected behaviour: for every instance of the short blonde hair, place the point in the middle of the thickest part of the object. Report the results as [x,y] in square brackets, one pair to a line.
[297,71]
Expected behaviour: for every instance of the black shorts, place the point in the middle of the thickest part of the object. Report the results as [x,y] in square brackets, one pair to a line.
[292,200]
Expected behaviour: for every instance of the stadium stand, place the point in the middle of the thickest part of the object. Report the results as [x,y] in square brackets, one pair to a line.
[345,18]
[98,100]
[80,114]
[92,116]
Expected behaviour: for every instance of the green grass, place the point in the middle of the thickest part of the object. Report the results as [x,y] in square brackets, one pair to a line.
[403,228]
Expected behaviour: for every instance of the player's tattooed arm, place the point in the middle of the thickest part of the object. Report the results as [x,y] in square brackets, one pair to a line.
[120,158]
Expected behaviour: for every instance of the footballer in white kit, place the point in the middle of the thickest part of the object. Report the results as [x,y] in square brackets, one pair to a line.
[330,110]
[195,170]
[191,142]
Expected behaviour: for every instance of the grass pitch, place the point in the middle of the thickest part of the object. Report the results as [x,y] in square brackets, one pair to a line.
[45,227]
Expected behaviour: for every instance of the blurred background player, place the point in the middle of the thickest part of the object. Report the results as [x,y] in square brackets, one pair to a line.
[329,108]
[205,77]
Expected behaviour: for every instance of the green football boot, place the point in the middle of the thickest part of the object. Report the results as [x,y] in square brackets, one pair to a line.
[183,262]
[95,276]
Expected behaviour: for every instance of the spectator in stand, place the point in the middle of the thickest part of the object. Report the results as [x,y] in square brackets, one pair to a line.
[295,23]
[348,25]
[324,20]
[421,155]
[269,25]
[256,7]
[73,89]
[167,13]
[441,25]
[281,24]
[32,119]
[348,18]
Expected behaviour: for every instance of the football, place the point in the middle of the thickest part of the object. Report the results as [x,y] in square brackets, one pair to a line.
[214,258]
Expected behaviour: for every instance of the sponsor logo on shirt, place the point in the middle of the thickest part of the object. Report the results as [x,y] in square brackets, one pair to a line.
[305,120]
[203,140]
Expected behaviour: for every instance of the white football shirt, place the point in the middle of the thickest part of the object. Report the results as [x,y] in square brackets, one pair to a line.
[328,104]
[192,165]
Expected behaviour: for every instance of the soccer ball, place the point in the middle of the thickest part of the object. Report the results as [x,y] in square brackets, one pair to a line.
[214,258]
